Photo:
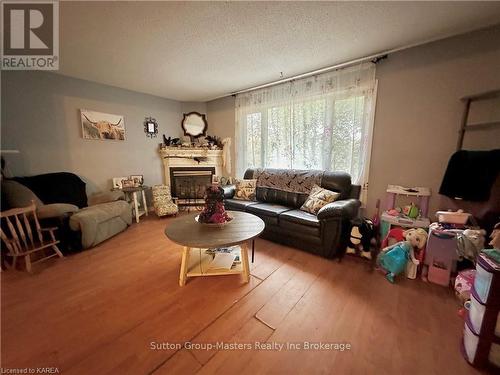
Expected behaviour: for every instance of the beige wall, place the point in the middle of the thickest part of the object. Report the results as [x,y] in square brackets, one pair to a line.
[40,117]
[221,116]
[199,107]
[418,110]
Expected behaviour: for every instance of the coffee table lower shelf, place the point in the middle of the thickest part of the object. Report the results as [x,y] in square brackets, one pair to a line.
[196,263]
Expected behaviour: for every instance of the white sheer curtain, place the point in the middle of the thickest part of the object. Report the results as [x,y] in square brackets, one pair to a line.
[319,122]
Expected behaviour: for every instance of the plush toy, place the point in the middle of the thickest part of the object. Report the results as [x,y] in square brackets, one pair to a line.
[362,237]
[394,258]
[495,242]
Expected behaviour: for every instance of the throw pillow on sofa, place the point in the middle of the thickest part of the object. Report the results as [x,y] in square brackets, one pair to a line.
[245,190]
[318,197]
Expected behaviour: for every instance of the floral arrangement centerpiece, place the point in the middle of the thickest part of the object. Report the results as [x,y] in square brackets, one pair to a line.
[214,212]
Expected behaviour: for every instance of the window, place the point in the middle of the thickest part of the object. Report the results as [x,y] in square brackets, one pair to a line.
[323,122]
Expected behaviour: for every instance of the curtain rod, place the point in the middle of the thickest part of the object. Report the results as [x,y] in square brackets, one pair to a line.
[374,58]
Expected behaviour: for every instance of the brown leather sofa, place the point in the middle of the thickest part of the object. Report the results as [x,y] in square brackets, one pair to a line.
[325,234]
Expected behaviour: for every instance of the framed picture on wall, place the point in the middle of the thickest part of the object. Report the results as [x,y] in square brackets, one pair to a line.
[138,179]
[221,180]
[118,182]
[128,183]
[104,126]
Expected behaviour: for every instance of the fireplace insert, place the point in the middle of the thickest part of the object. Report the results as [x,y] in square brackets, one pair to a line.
[188,184]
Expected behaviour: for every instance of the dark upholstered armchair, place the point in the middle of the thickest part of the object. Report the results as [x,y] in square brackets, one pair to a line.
[325,234]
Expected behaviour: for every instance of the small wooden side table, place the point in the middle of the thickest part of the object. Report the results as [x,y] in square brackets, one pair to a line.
[195,238]
[132,193]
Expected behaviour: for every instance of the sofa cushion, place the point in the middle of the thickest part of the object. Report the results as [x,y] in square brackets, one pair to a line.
[318,198]
[267,209]
[237,204]
[17,195]
[339,182]
[245,190]
[47,211]
[335,181]
[300,217]
[105,197]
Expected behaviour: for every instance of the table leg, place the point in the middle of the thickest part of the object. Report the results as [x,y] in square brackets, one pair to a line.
[144,202]
[136,206]
[253,249]
[184,265]
[244,261]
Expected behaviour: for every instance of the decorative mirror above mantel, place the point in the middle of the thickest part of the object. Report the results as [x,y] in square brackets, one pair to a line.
[194,124]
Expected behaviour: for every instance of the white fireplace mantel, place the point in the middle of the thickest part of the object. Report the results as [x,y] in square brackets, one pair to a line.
[184,157]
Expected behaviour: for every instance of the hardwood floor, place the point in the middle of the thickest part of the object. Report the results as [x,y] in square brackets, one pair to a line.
[102,310]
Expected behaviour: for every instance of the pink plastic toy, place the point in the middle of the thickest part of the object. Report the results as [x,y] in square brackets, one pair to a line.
[463,284]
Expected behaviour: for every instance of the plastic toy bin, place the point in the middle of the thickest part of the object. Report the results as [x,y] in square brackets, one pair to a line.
[441,256]
[483,319]
[487,281]
[478,351]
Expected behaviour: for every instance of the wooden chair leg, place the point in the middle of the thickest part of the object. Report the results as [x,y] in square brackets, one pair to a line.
[27,261]
[58,252]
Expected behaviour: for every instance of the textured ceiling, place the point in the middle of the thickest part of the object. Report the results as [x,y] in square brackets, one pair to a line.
[196,51]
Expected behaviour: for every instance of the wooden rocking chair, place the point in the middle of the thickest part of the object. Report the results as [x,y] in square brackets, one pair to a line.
[21,242]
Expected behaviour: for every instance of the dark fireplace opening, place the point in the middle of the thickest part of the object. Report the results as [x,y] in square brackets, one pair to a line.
[188,184]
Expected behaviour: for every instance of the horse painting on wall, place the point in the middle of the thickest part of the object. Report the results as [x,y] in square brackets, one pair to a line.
[97,125]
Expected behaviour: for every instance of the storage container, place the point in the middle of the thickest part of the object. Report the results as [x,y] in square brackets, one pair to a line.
[487,281]
[484,319]
[479,351]
[441,256]
[453,217]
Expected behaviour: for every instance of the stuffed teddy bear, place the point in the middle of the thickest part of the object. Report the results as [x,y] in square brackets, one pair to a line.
[394,258]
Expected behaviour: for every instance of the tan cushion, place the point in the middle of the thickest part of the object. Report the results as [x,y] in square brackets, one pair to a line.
[102,221]
[55,210]
[245,190]
[18,195]
[108,196]
[318,198]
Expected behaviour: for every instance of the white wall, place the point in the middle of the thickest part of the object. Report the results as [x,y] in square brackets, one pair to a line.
[418,110]
[40,118]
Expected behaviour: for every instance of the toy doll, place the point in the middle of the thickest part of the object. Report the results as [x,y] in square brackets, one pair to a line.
[394,258]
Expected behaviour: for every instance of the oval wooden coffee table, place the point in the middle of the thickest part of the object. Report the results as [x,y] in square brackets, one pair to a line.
[196,238]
